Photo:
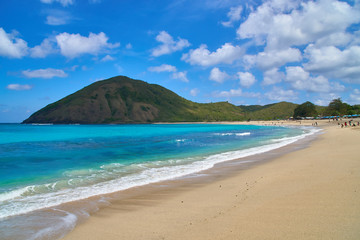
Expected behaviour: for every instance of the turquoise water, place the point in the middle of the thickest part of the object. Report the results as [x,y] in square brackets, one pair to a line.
[43,166]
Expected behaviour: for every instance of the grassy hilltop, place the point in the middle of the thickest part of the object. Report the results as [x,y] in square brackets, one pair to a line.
[124,100]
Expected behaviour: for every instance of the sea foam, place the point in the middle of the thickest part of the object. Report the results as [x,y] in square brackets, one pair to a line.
[117,177]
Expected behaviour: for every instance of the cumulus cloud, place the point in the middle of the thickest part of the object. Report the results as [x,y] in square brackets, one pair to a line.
[44,73]
[325,98]
[75,45]
[336,39]
[181,76]
[203,57]
[11,46]
[218,76]
[246,79]
[273,76]
[280,25]
[279,94]
[43,50]
[274,59]
[62,2]
[19,87]
[163,68]
[234,15]
[323,30]
[168,44]
[301,80]
[333,62]
[69,45]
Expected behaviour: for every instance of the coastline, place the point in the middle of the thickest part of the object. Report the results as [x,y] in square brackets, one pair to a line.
[304,194]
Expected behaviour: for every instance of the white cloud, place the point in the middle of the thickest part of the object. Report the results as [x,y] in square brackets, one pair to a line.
[335,39]
[74,45]
[202,56]
[44,73]
[297,24]
[57,17]
[55,21]
[11,46]
[334,63]
[236,93]
[246,79]
[43,50]
[234,15]
[273,76]
[194,92]
[301,80]
[325,98]
[355,97]
[181,76]
[168,44]
[62,2]
[231,93]
[274,59]
[163,68]
[107,58]
[218,76]
[279,94]
[19,87]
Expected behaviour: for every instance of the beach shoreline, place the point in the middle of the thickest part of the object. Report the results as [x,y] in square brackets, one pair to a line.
[276,199]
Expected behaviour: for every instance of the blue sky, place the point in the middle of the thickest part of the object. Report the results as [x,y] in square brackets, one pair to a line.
[244,52]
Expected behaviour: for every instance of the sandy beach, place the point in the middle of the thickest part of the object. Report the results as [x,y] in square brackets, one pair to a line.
[311,193]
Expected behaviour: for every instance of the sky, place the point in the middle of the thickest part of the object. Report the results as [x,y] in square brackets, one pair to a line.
[243,52]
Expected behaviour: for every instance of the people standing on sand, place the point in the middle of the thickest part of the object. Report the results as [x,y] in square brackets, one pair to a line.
[345,124]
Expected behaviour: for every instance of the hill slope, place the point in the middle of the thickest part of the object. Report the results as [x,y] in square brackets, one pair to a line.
[281,110]
[124,100]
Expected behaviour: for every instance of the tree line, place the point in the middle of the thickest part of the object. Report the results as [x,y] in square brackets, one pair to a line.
[335,108]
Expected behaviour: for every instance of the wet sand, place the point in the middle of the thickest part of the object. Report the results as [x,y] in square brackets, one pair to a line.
[311,193]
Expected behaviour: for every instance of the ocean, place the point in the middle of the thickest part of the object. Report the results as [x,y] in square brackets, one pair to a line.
[44,167]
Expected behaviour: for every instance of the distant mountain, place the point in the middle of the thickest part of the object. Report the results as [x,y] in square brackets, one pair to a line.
[281,110]
[124,100]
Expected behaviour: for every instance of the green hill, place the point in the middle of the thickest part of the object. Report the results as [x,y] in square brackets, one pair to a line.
[281,110]
[124,100]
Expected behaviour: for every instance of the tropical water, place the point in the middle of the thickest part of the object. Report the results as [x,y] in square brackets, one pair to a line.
[43,167]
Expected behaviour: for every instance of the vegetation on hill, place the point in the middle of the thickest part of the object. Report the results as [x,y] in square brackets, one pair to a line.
[307,109]
[281,110]
[124,100]
[337,108]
